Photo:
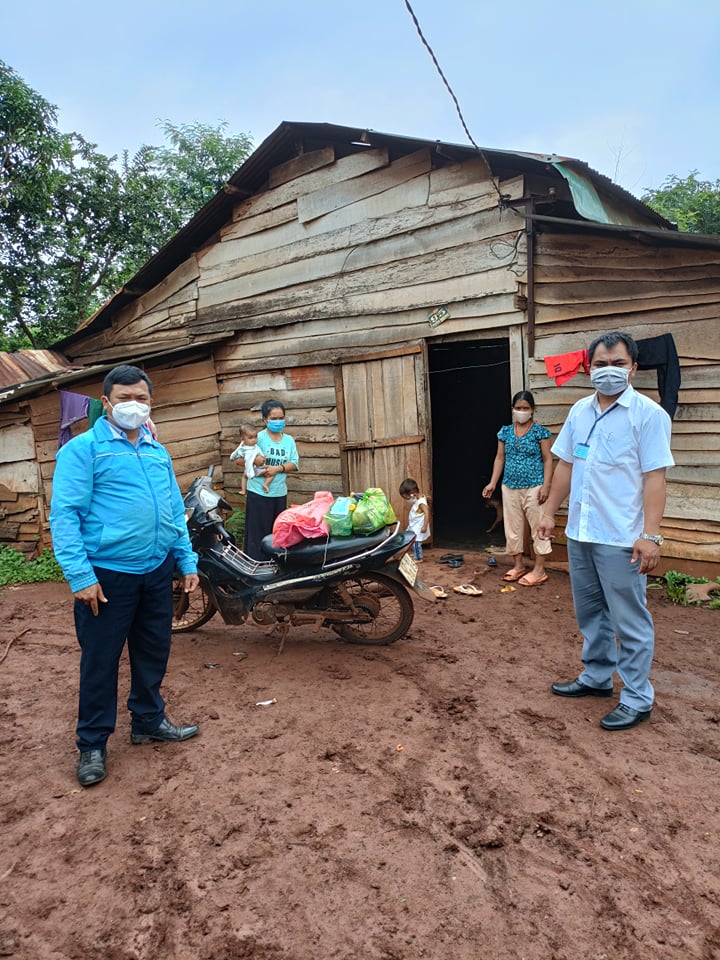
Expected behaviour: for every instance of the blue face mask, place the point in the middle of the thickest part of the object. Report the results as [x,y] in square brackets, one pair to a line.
[609,381]
[276,426]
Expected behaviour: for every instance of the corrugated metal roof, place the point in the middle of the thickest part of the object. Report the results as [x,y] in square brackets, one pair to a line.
[70,374]
[660,237]
[22,366]
[285,143]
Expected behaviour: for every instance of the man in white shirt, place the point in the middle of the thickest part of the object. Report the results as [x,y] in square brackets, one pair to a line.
[613,450]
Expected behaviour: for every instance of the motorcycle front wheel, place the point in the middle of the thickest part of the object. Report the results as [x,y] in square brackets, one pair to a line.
[190,610]
[386,610]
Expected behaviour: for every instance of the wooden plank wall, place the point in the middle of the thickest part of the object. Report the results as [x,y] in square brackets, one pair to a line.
[20,498]
[587,284]
[339,258]
[159,320]
[327,263]
[309,396]
[185,411]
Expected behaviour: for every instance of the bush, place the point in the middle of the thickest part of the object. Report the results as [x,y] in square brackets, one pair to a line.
[235,524]
[675,585]
[14,568]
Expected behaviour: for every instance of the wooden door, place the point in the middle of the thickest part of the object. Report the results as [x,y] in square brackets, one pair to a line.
[383,404]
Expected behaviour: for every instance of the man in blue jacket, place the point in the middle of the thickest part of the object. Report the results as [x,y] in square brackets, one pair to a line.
[118,528]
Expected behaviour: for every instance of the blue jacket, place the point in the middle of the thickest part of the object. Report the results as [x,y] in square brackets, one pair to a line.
[116,506]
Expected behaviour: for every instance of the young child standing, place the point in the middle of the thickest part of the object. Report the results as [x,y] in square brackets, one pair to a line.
[419,518]
[253,456]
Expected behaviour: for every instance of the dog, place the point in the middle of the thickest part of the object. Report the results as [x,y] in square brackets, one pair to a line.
[496,504]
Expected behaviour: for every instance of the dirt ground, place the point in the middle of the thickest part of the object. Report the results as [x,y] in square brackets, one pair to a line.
[426,799]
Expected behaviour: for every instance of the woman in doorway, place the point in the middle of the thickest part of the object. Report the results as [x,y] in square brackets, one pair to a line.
[524,462]
[281,458]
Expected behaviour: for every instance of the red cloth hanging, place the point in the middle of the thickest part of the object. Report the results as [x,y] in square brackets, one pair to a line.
[564,366]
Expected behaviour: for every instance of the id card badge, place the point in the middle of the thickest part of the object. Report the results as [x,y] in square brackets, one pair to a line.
[581,451]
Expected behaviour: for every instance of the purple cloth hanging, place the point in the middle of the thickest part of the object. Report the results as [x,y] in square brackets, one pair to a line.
[73,407]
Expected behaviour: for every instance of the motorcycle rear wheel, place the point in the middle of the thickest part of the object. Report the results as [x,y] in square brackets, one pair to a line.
[190,610]
[388,606]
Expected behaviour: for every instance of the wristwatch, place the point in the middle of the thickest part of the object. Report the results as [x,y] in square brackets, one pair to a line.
[658,539]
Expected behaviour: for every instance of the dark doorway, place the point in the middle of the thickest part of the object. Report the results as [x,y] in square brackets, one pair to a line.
[469,402]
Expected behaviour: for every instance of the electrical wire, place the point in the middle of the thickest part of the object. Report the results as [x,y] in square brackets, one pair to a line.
[450,91]
[471,366]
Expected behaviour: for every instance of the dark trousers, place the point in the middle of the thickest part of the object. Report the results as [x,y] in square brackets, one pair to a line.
[260,513]
[139,610]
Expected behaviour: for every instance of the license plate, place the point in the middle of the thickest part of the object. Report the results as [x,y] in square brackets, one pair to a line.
[409,569]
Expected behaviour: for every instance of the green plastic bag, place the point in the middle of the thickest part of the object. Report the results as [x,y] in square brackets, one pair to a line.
[373,512]
[339,517]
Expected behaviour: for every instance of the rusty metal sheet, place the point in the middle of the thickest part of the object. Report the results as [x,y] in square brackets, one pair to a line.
[23,365]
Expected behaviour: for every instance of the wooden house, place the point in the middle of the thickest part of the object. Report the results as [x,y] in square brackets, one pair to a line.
[394,293]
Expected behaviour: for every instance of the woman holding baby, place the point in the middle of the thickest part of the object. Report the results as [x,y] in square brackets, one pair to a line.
[267,492]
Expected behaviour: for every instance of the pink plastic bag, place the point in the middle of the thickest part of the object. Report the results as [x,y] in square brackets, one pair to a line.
[303,522]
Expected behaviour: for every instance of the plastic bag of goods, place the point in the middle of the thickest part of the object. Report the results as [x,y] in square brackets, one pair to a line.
[373,512]
[339,517]
[304,521]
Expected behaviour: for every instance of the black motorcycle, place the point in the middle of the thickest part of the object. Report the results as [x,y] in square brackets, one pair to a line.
[357,586]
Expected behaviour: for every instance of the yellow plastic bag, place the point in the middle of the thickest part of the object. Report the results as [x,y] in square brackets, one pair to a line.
[373,512]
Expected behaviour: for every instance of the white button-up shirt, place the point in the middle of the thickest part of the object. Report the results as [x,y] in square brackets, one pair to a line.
[623,443]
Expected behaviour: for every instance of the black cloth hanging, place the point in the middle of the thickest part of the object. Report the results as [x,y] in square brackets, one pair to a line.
[660,353]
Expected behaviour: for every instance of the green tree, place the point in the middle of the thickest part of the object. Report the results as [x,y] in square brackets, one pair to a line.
[31,153]
[198,161]
[76,224]
[693,204]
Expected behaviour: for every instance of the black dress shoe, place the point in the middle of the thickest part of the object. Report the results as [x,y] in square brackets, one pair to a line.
[577,689]
[623,718]
[166,731]
[91,767]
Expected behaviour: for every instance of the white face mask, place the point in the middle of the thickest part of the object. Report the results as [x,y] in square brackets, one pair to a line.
[609,381]
[522,416]
[130,415]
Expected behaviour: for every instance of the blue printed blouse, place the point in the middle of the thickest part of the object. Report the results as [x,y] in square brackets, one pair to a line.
[523,457]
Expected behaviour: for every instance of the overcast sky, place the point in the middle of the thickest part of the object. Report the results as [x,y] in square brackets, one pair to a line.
[631,87]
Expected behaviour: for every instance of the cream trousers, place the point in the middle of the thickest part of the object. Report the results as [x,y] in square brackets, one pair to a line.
[517,506]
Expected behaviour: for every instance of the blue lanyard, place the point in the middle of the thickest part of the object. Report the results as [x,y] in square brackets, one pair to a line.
[597,421]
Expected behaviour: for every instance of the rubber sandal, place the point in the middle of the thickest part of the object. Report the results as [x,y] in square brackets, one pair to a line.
[525,581]
[451,558]
[511,576]
[469,589]
[454,563]
[439,592]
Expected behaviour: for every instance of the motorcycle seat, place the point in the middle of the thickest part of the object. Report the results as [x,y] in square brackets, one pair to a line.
[323,550]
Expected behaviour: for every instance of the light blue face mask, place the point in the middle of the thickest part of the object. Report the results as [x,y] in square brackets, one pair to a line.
[609,381]
[276,426]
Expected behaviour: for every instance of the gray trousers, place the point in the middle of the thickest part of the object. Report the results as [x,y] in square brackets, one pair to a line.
[611,610]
